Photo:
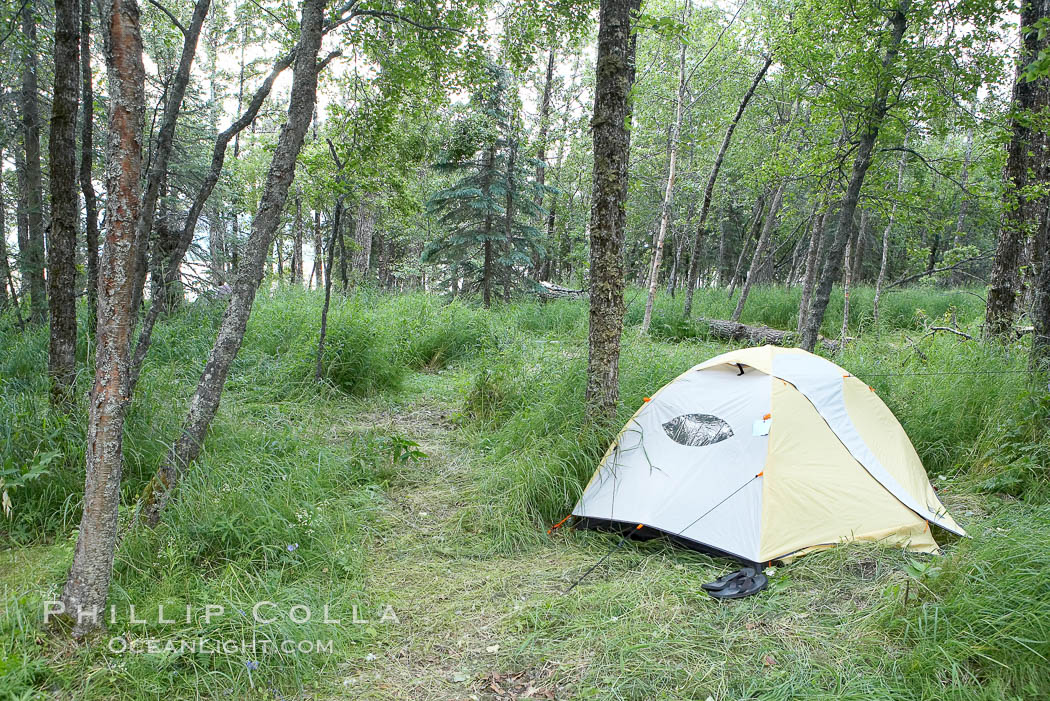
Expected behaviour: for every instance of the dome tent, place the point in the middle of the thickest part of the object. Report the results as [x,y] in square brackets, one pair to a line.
[764,454]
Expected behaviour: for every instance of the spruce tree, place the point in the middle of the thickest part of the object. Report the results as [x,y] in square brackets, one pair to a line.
[487,215]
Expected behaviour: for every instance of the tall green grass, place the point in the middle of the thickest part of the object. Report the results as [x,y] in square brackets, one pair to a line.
[908,308]
[978,626]
[971,408]
[281,505]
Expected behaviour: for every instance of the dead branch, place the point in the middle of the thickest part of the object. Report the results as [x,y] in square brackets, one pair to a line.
[934,329]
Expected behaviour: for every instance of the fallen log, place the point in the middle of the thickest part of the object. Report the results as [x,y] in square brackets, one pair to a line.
[548,290]
[759,335]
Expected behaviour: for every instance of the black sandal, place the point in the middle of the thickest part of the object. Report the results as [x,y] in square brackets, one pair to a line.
[739,587]
[722,582]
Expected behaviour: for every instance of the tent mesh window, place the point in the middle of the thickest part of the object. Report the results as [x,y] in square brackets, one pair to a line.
[697,429]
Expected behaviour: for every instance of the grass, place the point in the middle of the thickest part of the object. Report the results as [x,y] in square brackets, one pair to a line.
[423,473]
[901,309]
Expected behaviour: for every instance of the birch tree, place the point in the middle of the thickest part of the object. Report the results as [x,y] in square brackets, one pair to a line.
[205,401]
[672,161]
[87,585]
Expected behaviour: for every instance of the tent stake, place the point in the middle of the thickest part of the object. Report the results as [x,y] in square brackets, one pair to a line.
[603,559]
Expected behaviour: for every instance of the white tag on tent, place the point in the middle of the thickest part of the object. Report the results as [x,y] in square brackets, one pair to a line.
[761,427]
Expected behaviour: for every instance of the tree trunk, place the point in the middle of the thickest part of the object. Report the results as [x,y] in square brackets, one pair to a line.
[614,72]
[165,141]
[672,278]
[756,335]
[336,216]
[1026,173]
[6,279]
[541,265]
[884,263]
[509,213]
[386,259]
[545,111]
[217,248]
[760,249]
[279,253]
[344,276]
[796,252]
[165,282]
[931,262]
[65,205]
[205,401]
[694,260]
[32,256]
[554,268]
[814,257]
[234,242]
[756,224]
[297,243]
[1040,354]
[665,209]
[317,271]
[857,252]
[5,274]
[87,154]
[22,216]
[721,261]
[873,119]
[364,228]
[87,586]
[486,273]
[847,280]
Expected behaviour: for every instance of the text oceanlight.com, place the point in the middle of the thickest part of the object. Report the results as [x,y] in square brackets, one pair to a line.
[207,646]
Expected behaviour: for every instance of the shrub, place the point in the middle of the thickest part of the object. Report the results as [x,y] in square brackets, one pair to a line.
[492,395]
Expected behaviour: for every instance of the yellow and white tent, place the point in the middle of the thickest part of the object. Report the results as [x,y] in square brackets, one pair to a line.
[764,454]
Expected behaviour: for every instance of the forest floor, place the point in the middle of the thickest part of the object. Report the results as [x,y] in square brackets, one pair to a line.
[319,496]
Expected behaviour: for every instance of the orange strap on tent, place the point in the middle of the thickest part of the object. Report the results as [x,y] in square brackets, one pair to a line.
[638,527]
[558,524]
[767,417]
[760,473]
[646,399]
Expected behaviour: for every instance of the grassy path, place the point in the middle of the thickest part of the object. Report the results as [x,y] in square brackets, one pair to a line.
[452,597]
